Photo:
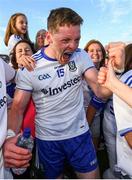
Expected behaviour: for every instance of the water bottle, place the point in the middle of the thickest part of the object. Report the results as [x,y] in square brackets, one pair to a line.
[25,141]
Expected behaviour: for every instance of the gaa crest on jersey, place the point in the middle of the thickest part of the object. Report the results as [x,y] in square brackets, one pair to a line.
[72,66]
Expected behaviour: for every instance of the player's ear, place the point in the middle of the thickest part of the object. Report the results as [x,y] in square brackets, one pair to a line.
[49,37]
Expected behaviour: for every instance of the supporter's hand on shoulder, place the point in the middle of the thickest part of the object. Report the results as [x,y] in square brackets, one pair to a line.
[15,156]
[26,61]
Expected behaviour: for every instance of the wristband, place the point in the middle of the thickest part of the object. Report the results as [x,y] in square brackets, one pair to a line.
[10,133]
[97,103]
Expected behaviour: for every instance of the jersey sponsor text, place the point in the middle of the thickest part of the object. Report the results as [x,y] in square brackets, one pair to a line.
[53,91]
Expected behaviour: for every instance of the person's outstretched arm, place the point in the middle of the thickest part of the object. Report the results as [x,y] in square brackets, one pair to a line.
[107,78]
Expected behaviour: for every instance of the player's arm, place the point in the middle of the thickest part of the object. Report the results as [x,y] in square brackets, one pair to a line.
[91,78]
[20,101]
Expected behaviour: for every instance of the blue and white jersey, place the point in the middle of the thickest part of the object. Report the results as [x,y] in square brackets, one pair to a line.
[57,93]
[123,115]
[12,42]
[6,74]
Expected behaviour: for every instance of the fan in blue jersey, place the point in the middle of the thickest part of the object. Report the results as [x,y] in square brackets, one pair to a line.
[6,74]
[122,102]
[62,132]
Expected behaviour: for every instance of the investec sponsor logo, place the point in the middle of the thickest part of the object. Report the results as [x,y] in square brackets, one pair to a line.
[53,91]
[3,101]
[44,76]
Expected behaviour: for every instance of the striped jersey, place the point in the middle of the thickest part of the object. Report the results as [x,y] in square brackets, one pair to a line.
[123,115]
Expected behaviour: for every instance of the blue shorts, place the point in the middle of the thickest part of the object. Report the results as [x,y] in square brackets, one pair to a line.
[78,151]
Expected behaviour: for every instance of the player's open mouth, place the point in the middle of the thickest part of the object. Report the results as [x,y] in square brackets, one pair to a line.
[66,55]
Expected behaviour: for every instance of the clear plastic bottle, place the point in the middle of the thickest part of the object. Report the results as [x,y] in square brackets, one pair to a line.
[25,141]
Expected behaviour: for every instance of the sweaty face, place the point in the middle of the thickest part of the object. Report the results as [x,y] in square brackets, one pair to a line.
[95,52]
[21,24]
[23,49]
[64,42]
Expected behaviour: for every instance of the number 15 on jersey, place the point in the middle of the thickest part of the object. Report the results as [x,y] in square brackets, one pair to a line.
[60,72]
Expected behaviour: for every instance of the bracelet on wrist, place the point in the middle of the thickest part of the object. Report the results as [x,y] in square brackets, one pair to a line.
[10,133]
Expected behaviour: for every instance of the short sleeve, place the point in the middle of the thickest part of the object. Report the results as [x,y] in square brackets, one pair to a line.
[85,61]
[23,80]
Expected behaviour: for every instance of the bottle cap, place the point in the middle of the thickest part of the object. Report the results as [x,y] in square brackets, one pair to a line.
[27,132]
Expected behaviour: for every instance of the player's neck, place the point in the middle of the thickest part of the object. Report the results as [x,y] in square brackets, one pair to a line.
[49,52]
